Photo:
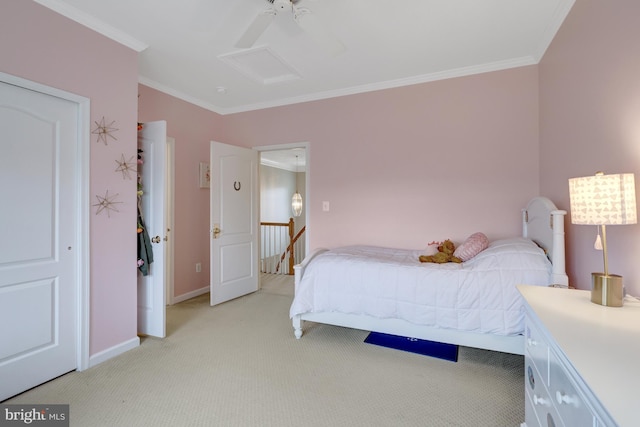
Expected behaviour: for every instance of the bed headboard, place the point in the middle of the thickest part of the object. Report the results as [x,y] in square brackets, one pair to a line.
[543,223]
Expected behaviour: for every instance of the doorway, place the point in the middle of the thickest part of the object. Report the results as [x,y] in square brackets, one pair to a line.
[284,172]
[155,226]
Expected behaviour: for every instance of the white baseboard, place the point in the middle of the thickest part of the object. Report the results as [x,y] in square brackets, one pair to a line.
[114,351]
[190,295]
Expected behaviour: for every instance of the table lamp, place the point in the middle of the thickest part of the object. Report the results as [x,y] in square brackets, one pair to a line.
[604,200]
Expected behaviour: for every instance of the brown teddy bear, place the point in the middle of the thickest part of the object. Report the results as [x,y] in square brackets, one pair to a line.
[445,254]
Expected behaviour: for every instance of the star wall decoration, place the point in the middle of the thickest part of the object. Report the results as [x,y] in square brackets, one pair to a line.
[103,131]
[126,166]
[106,203]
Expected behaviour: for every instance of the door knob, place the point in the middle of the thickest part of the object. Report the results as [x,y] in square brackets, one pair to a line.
[216,231]
[155,239]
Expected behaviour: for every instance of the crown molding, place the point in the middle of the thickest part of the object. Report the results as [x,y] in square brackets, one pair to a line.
[426,78]
[559,15]
[180,95]
[390,84]
[94,24]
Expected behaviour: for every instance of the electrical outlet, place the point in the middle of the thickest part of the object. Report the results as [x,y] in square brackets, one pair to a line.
[198,267]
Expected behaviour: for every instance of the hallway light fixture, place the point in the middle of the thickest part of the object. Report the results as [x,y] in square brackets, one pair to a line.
[296,200]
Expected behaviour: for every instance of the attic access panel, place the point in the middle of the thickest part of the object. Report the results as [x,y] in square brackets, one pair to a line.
[262,65]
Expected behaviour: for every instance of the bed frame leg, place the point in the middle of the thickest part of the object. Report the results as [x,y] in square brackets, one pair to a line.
[297,326]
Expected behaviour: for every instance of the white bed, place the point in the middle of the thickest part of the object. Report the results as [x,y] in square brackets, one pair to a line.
[473,304]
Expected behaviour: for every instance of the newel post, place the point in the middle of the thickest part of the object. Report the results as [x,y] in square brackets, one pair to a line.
[291,255]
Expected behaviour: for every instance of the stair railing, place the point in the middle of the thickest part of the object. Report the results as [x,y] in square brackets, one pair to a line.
[278,242]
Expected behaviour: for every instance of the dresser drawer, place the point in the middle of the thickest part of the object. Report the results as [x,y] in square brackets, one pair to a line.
[570,403]
[539,410]
[537,349]
[539,407]
[530,416]
[550,417]
[531,386]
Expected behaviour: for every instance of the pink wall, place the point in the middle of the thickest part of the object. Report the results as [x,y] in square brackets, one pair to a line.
[405,166]
[590,121]
[193,128]
[57,52]
[399,167]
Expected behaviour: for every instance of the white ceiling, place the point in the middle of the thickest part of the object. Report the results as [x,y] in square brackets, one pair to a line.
[388,44]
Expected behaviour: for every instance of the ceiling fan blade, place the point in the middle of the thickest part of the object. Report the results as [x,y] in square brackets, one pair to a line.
[318,32]
[257,27]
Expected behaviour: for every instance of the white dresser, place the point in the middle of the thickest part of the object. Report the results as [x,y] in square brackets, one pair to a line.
[582,360]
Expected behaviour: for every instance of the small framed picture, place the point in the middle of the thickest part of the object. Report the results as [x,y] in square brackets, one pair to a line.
[205,175]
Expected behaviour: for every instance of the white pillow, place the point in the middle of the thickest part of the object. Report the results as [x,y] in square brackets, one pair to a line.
[512,254]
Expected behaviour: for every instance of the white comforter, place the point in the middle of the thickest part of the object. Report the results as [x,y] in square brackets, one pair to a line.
[478,295]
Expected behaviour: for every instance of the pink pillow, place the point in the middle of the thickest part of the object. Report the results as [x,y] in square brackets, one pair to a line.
[471,247]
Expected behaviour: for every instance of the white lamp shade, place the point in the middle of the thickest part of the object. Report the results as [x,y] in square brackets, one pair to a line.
[296,204]
[603,199]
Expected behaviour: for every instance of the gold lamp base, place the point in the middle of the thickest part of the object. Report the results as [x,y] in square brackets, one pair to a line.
[607,289]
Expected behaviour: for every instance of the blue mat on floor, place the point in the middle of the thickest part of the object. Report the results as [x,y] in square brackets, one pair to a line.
[414,345]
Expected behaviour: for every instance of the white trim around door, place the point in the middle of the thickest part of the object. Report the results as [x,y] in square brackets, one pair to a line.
[307,178]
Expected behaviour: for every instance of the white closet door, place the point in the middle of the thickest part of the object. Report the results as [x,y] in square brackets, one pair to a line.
[38,217]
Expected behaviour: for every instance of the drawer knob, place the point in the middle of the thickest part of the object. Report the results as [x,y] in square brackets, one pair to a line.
[540,400]
[565,399]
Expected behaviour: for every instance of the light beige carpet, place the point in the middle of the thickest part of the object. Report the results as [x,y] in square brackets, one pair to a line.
[238,364]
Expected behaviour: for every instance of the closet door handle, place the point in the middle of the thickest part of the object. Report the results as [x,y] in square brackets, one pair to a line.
[155,239]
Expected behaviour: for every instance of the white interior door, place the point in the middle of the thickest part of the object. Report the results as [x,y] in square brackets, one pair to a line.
[38,252]
[152,139]
[234,222]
